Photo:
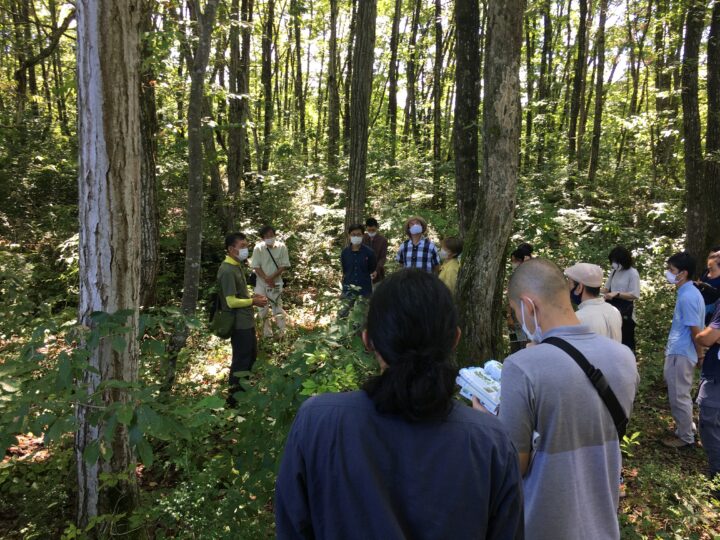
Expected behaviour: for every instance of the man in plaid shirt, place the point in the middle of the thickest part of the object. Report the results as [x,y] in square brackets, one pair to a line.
[418,251]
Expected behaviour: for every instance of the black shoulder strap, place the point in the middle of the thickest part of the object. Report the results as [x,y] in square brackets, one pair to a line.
[273,258]
[599,382]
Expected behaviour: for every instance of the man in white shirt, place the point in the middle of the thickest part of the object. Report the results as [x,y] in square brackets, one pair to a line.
[602,318]
[269,260]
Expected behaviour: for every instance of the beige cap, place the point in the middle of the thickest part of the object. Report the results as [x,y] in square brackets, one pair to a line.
[588,274]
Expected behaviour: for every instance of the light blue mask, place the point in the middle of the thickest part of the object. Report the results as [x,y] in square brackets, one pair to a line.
[537,335]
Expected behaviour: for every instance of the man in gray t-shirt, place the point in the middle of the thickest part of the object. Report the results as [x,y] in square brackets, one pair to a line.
[572,469]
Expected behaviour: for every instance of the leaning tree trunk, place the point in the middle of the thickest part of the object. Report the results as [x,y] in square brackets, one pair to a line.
[108,52]
[480,283]
[712,146]
[150,222]
[360,109]
[695,196]
[193,251]
[467,103]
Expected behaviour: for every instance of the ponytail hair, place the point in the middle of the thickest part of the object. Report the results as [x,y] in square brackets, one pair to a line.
[412,324]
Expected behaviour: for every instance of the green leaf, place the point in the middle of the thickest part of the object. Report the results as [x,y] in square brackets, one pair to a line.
[125,414]
[211,402]
[64,378]
[145,451]
[118,344]
[91,453]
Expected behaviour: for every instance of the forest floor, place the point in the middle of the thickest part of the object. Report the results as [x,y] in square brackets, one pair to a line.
[666,491]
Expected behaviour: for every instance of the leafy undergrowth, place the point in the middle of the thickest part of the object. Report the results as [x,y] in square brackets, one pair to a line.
[209,471]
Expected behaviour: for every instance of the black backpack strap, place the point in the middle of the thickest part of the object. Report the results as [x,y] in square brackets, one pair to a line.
[598,381]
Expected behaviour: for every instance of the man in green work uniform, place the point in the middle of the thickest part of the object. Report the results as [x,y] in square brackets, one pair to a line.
[234,297]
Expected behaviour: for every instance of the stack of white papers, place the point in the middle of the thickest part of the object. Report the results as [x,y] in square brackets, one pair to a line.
[483,383]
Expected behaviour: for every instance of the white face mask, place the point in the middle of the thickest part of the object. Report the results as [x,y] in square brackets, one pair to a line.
[416,229]
[242,253]
[670,277]
[514,265]
[269,242]
[535,336]
[443,254]
[616,266]
[372,234]
[356,240]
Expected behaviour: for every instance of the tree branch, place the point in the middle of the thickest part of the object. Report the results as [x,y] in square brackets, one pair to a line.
[47,51]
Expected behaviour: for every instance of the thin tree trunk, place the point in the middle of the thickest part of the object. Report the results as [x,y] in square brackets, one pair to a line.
[362,78]
[393,81]
[467,103]
[348,76]
[236,133]
[193,245]
[437,107]
[577,88]
[298,81]
[333,142]
[149,193]
[266,75]
[545,82]
[712,146]
[695,196]
[480,283]
[108,35]
[411,125]
[599,95]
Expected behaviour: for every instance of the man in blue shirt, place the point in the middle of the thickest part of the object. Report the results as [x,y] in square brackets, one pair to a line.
[682,352]
[358,265]
[709,394]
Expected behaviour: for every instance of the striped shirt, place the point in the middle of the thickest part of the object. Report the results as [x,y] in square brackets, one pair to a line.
[424,255]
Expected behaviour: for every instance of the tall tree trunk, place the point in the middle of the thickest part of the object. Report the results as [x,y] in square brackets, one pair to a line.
[545,82]
[333,142]
[530,77]
[577,89]
[108,47]
[467,103]
[246,15]
[393,80]
[193,245]
[362,78]
[266,75]
[599,95]
[712,146]
[295,13]
[411,124]
[437,107]
[348,75]
[480,283]
[695,196]
[150,222]
[236,133]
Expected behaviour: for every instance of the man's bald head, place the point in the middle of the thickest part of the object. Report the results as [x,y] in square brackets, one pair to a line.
[541,279]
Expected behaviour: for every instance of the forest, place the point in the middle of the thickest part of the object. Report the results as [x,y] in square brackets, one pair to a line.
[136,134]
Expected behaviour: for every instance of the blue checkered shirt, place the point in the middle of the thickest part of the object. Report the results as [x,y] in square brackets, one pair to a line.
[423,256]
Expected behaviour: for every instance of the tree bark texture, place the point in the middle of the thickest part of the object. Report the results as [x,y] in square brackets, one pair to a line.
[695,195]
[108,52]
[362,78]
[712,141]
[480,283]
[467,103]
[150,221]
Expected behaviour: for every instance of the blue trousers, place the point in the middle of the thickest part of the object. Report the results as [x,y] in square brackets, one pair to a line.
[709,429]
